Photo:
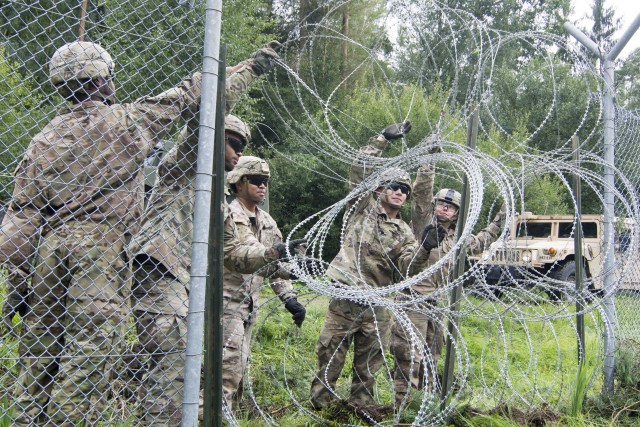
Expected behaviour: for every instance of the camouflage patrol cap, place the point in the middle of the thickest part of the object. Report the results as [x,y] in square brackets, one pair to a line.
[234,124]
[248,165]
[395,174]
[80,61]
[448,195]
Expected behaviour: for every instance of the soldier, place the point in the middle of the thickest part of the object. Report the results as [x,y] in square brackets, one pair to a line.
[249,181]
[162,251]
[377,248]
[434,218]
[76,199]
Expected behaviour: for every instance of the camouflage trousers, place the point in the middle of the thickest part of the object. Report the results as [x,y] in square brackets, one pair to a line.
[73,335]
[237,329]
[412,368]
[160,304]
[347,322]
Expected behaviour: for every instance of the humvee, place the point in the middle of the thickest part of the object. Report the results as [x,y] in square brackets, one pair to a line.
[540,247]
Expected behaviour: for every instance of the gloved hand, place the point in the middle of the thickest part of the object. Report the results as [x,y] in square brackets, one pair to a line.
[15,303]
[281,247]
[297,310]
[396,130]
[497,220]
[264,58]
[434,148]
[432,236]
[307,265]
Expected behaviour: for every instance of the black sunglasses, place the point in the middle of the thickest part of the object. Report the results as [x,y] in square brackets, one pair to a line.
[258,180]
[395,186]
[236,144]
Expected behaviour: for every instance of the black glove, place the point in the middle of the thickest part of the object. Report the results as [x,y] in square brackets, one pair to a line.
[297,310]
[264,58]
[396,131]
[307,265]
[432,236]
[434,148]
[15,303]
[293,245]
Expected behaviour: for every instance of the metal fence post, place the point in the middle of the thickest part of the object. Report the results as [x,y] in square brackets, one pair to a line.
[201,214]
[449,362]
[214,297]
[577,249]
[609,199]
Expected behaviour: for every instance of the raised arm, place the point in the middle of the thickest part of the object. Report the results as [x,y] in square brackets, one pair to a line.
[360,169]
[481,241]
[422,204]
[182,160]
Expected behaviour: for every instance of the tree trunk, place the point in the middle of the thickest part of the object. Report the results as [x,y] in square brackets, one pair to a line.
[344,51]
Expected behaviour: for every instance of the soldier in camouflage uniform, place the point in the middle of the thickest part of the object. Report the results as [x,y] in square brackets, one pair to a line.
[434,218]
[248,181]
[162,251]
[378,249]
[77,197]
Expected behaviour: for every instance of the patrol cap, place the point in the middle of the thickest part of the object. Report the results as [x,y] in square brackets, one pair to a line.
[248,165]
[448,195]
[234,124]
[80,61]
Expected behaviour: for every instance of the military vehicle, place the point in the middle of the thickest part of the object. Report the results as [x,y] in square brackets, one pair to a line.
[541,247]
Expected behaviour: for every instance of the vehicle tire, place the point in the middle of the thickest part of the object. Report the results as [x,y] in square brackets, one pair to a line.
[565,272]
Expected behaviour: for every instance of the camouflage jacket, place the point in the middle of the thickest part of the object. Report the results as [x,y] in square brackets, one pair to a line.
[422,215]
[259,229]
[167,226]
[376,250]
[86,166]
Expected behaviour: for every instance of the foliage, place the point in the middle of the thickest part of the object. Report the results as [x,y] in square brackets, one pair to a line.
[605,24]
[542,196]
[426,44]
[20,118]
[550,97]
[335,62]
[163,42]
[23,25]
[628,82]
[296,194]
[582,381]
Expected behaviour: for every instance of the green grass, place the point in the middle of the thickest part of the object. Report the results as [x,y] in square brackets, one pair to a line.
[530,367]
[519,371]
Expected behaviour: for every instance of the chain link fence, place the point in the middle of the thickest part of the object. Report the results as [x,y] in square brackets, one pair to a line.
[86,338]
[627,135]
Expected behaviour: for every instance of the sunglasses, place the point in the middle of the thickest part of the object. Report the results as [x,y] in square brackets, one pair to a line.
[257,180]
[445,205]
[236,144]
[395,186]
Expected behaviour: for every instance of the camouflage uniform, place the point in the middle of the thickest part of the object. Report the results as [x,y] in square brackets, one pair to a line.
[77,197]
[423,316]
[240,305]
[377,251]
[162,260]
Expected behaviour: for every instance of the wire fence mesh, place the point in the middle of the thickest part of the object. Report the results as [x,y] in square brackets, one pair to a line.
[89,329]
[97,195]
